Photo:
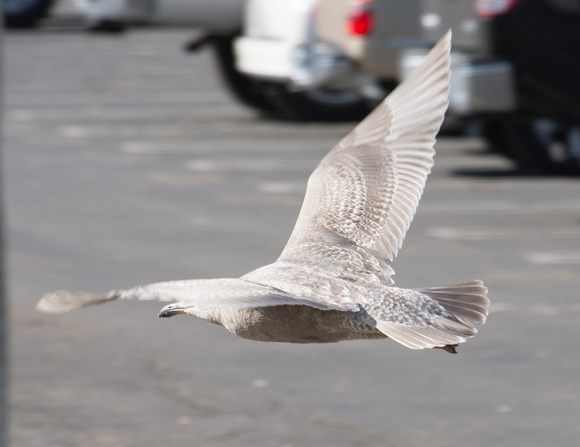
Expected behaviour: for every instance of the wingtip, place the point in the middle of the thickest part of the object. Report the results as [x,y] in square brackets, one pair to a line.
[445,40]
[444,44]
[448,35]
[62,301]
[437,60]
[443,47]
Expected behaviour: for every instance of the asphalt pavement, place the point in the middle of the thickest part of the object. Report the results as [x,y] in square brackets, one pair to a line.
[125,162]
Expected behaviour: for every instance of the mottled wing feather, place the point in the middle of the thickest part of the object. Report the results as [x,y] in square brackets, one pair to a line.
[365,191]
[344,213]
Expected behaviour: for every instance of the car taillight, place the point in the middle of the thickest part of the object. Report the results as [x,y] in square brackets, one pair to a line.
[360,18]
[493,8]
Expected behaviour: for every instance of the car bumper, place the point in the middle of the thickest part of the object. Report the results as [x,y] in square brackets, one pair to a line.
[477,87]
[263,58]
[303,66]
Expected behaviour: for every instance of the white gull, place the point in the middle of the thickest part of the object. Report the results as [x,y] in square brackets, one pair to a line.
[333,280]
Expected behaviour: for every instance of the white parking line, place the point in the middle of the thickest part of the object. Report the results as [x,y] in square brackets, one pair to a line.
[249,149]
[502,233]
[539,309]
[282,187]
[553,257]
[499,207]
[208,165]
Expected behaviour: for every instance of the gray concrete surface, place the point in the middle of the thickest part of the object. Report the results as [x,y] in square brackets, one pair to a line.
[125,163]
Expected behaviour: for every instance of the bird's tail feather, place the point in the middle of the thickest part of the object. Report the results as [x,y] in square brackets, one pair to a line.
[467,301]
[466,307]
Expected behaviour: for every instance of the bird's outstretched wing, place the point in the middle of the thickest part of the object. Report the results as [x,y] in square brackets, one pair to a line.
[362,197]
[202,294]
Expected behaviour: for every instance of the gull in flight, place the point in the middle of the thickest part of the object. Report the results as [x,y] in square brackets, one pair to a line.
[333,280]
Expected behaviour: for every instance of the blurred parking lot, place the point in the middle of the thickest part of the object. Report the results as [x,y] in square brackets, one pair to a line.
[125,162]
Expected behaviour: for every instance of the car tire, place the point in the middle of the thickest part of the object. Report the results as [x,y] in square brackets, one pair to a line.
[245,89]
[317,104]
[494,133]
[543,146]
[25,13]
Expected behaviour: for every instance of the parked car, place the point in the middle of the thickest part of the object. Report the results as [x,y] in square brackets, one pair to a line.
[25,13]
[325,59]
[303,76]
[516,65]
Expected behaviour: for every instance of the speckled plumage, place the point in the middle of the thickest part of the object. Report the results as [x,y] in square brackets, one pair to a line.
[333,280]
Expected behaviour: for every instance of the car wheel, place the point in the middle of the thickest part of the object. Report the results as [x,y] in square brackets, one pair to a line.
[494,133]
[318,104]
[245,89]
[25,13]
[544,146]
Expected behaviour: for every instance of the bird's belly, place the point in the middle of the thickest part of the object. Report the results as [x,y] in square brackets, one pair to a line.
[300,324]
